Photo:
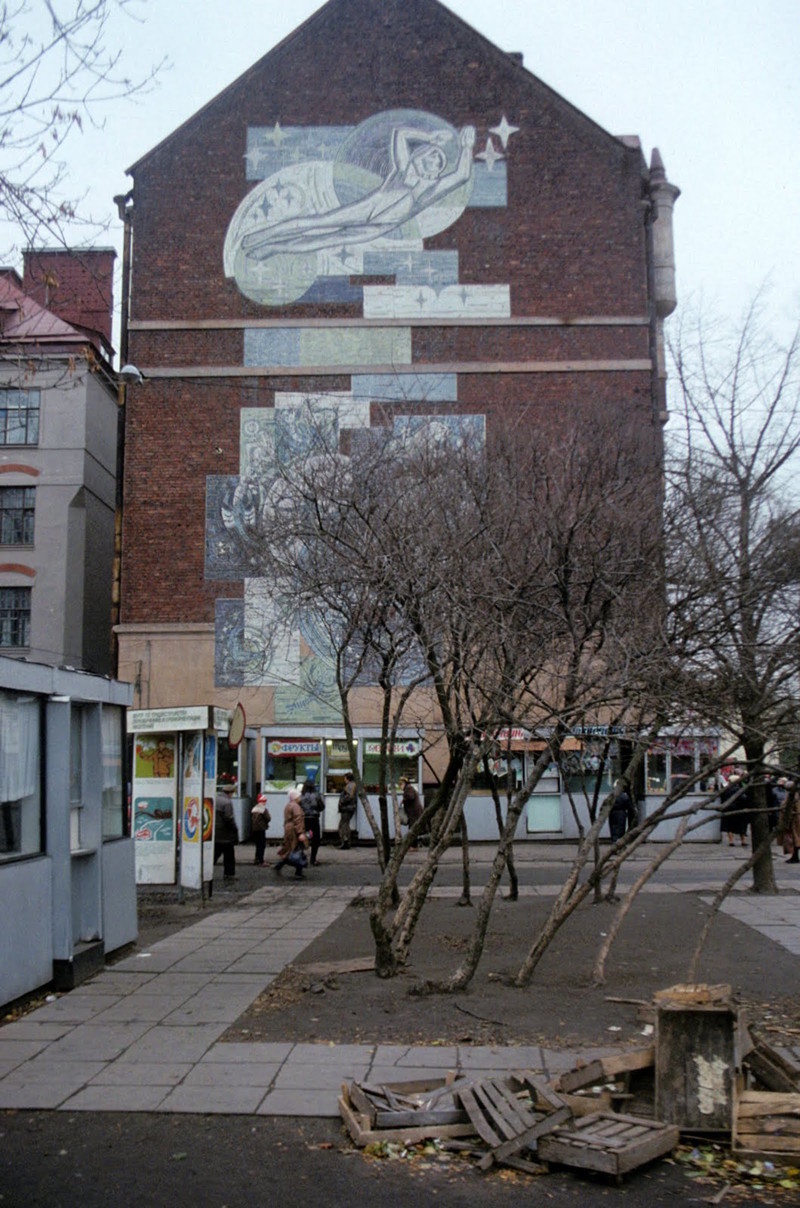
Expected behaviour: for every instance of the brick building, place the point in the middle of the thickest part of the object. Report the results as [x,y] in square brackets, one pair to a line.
[386,207]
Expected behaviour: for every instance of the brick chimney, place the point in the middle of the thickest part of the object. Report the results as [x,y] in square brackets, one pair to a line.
[77,285]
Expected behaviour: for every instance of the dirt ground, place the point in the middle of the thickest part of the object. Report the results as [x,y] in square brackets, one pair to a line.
[559,1009]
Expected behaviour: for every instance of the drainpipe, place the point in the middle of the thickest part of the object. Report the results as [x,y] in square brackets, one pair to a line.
[124,203]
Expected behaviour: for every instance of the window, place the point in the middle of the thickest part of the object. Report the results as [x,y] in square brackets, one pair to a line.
[288,762]
[19,417]
[20,798]
[111,731]
[15,617]
[76,717]
[405,763]
[16,515]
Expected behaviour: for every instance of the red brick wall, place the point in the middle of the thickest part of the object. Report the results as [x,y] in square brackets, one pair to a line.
[571,242]
[78,286]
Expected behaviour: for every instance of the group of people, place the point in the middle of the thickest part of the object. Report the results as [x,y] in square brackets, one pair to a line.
[302,831]
[783,812]
[302,827]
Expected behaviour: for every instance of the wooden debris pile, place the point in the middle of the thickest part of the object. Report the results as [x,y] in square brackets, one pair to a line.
[705,1074]
[510,1118]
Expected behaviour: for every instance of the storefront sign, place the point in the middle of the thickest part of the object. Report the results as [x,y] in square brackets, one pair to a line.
[282,746]
[153,721]
[407,748]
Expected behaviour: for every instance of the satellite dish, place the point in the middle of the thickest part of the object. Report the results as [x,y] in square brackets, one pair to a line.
[237,726]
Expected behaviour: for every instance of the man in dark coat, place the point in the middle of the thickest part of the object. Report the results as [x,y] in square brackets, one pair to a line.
[226,832]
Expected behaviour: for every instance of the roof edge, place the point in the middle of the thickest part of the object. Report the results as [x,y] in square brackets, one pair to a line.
[510,57]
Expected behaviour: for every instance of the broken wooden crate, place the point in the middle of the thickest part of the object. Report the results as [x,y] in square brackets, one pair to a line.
[608,1143]
[602,1084]
[510,1113]
[776,1067]
[768,1122]
[695,1057]
[403,1112]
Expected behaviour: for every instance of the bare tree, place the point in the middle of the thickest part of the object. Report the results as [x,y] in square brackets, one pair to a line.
[57,73]
[733,539]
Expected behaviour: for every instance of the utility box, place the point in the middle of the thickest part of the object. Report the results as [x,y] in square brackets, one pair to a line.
[695,1057]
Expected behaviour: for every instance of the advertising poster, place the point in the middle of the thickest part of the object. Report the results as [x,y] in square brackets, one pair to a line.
[197,813]
[154,808]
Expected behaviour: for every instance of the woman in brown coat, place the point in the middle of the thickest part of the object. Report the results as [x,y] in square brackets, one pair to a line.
[294,834]
[790,822]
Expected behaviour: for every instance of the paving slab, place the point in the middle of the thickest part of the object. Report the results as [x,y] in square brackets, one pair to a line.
[142,1073]
[165,1043]
[228,1100]
[292,1076]
[300,1103]
[117,1099]
[260,1052]
[97,1042]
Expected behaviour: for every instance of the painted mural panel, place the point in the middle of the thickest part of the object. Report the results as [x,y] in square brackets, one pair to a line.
[336,202]
[330,205]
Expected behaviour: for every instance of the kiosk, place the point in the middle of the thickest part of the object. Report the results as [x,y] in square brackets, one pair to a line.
[173,793]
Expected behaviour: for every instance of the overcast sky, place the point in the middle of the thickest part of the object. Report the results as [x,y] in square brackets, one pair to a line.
[712,83]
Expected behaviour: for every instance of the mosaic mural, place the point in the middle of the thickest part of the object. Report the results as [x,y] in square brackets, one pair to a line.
[330,205]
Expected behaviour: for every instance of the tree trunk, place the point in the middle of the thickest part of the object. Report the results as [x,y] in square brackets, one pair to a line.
[465,899]
[763,868]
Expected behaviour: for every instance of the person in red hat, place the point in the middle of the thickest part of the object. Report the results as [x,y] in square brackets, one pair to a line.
[260,820]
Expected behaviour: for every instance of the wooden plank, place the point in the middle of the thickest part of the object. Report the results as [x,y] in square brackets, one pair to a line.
[475,1112]
[502,1110]
[528,1138]
[541,1093]
[777,1124]
[757,1143]
[362,1102]
[694,995]
[588,1105]
[495,1118]
[606,1069]
[767,1103]
[587,1075]
[419,1118]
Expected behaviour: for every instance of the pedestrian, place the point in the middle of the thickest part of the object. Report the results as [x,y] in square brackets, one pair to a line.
[348,799]
[622,816]
[226,832]
[292,849]
[735,810]
[260,819]
[411,805]
[313,805]
[775,794]
[790,824]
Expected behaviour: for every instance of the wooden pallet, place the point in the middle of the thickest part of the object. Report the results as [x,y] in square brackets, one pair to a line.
[510,1113]
[609,1143]
[768,1122]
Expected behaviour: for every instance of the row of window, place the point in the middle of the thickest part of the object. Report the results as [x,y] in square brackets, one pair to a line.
[22,755]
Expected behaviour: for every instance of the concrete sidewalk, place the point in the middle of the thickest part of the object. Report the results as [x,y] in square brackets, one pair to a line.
[144,1035]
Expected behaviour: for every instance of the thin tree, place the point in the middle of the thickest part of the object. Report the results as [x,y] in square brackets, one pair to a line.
[732,536]
[58,72]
